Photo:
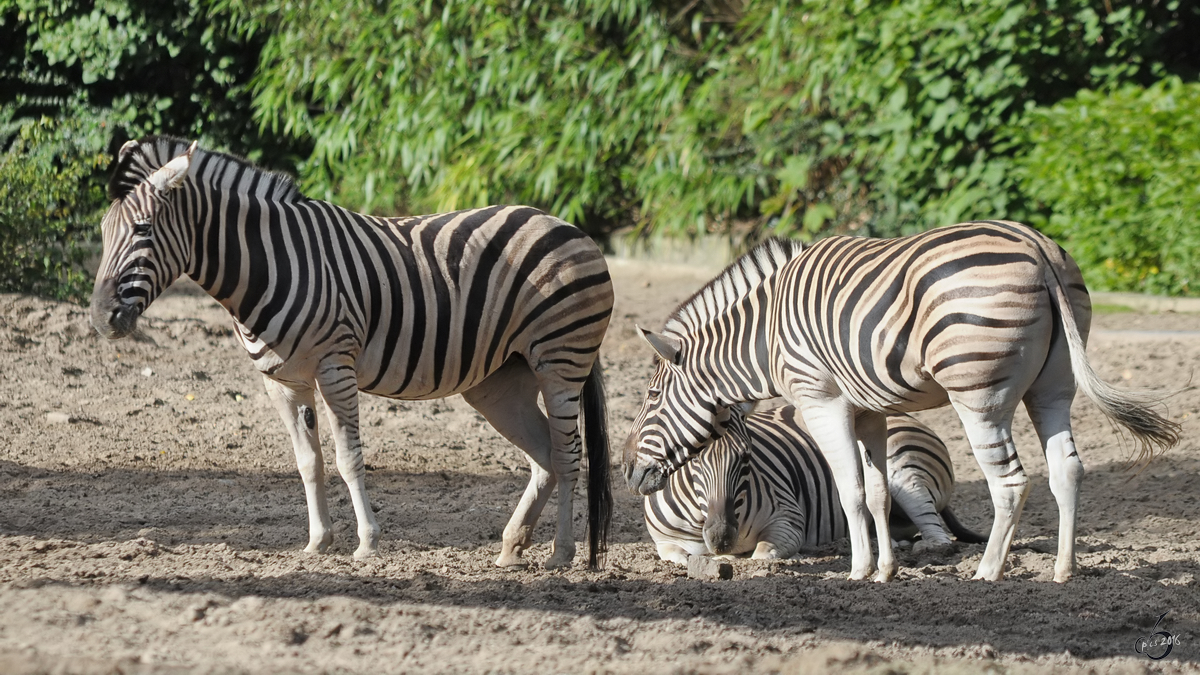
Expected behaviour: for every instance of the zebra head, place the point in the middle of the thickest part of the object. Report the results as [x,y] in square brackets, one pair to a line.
[678,419]
[724,476]
[141,255]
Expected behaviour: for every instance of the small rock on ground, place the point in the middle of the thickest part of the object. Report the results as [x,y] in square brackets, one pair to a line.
[703,567]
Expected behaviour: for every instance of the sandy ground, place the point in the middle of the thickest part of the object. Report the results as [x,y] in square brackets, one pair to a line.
[151,520]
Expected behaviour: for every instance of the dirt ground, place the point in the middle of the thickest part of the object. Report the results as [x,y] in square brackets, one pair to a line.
[152,520]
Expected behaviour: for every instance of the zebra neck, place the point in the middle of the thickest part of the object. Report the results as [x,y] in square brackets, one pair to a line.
[736,359]
[252,252]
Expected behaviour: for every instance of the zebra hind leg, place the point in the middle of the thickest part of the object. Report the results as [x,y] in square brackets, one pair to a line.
[339,389]
[297,407]
[507,399]
[990,435]
[917,502]
[562,408]
[1048,402]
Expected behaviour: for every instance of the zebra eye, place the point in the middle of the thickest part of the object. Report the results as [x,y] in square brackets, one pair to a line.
[141,228]
[653,393]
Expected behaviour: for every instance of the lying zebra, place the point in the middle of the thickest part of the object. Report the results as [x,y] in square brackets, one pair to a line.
[764,488]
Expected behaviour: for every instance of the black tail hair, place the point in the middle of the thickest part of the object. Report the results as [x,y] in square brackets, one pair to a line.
[599,491]
[961,532]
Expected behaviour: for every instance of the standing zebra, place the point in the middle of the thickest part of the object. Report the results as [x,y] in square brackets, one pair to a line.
[499,304]
[980,315]
[763,488]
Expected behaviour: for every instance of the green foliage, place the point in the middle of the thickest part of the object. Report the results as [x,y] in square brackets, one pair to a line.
[888,116]
[49,204]
[436,106]
[79,77]
[1118,177]
[800,118]
[154,66]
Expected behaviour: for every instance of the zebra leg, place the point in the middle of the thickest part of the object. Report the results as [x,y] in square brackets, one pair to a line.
[562,408]
[297,407]
[831,424]
[339,389]
[672,552]
[1049,405]
[871,428]
[990,434]
[915,500]
[779,539]
[507,399]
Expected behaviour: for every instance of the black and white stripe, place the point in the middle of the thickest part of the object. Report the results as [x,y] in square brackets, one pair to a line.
[764,489]
[981,315]
[501,304]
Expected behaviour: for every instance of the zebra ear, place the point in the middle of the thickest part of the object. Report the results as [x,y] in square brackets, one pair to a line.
[127,148]
[666,346]
[171,175]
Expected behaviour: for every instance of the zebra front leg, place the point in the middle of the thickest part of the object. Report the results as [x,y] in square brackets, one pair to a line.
[672,552]
[339,389]
[779,539]
[871,429]
[297,407]
[831,424]
[507,399]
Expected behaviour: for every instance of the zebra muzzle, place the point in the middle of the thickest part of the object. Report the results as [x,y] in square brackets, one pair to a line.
[720,530]
[645,478]
[111,318]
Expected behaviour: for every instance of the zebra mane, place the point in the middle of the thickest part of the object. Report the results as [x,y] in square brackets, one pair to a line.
[153,152]
[738,280]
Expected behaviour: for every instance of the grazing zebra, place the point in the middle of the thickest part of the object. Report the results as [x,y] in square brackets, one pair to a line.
[499,304]
[980,315]
[763,488]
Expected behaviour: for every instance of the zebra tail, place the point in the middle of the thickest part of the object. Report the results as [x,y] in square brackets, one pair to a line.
[1130,409]
[961,532]
[595,433]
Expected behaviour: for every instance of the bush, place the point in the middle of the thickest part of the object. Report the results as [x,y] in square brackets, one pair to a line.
[887,117]
[50,204]
[417,107]
[153,66]
[1118,180]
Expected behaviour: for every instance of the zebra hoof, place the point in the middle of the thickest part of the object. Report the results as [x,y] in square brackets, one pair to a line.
[319,545]
[365,552]
[982,576]
[558,562]
[511,560]
[932,547]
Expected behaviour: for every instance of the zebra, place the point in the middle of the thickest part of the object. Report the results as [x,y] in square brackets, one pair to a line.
[981,315]
[500,304]
[763,488]
[920,478]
